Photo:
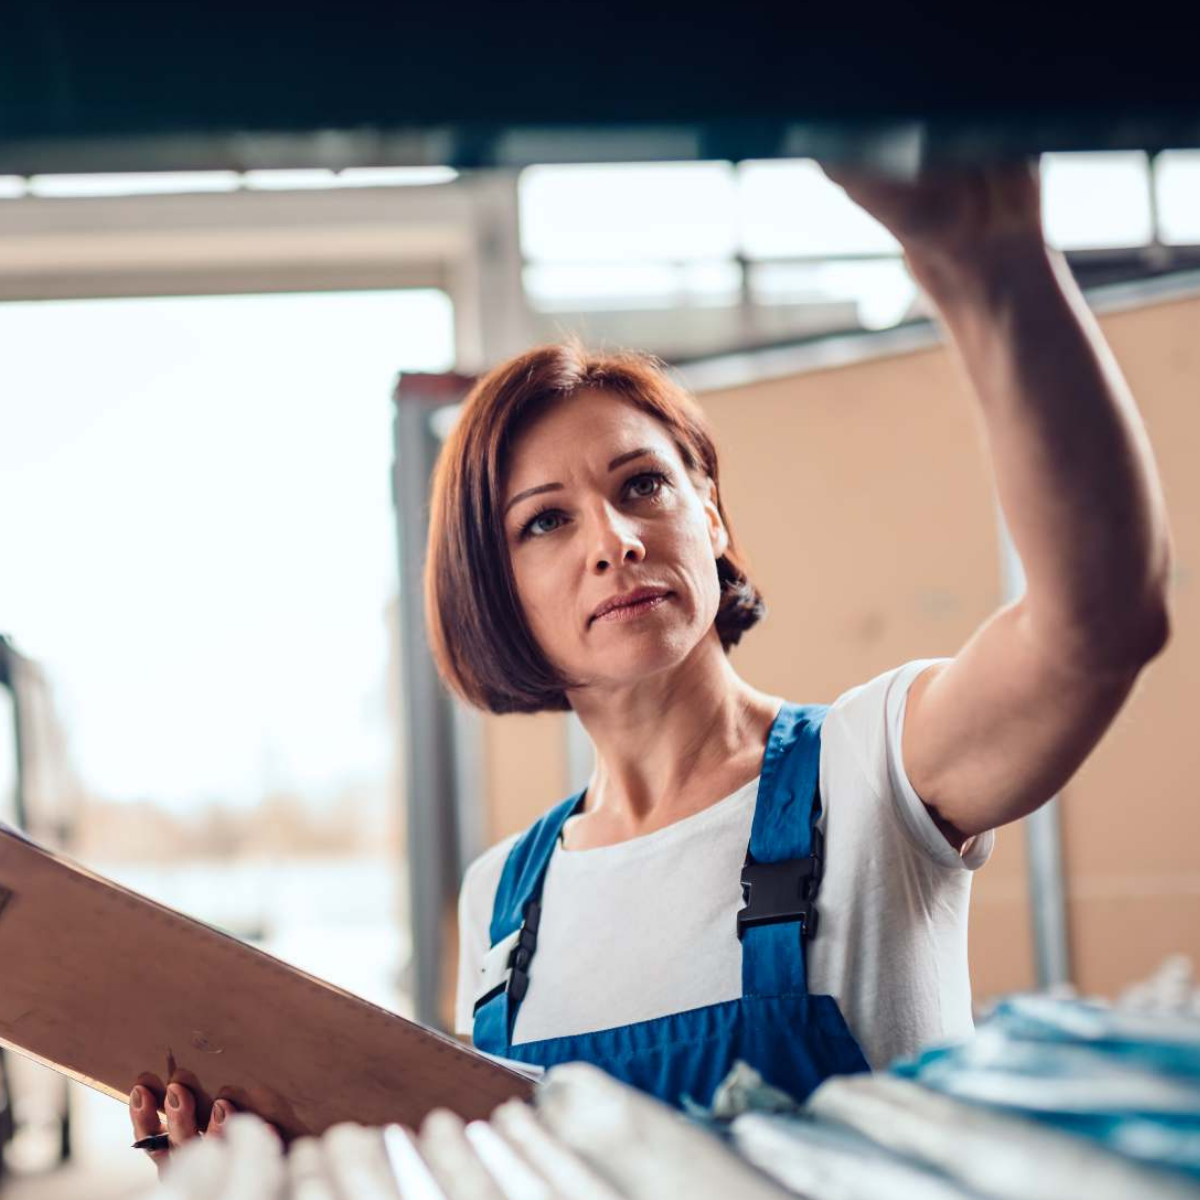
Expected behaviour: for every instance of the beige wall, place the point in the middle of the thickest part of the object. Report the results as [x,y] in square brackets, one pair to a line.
[1133,812]
[526,769]
[864,501]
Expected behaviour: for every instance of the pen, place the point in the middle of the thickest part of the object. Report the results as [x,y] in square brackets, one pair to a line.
[156,1141]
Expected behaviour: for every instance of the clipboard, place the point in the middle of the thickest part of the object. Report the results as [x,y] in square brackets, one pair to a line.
[108,986]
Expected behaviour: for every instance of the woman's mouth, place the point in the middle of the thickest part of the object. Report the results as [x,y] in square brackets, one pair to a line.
[632,607]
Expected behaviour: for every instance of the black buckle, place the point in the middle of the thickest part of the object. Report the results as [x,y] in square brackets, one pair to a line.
[782,891]
[522,953]
[519,958]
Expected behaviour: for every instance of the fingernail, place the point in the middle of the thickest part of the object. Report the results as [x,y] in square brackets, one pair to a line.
[173,1097]
[218,1112]
[135,1098]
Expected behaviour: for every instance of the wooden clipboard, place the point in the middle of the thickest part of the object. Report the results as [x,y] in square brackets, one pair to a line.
[104,985]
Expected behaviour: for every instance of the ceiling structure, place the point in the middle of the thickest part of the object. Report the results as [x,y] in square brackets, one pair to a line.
[129,85]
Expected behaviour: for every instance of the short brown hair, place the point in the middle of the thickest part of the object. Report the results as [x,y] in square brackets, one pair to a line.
[481,641]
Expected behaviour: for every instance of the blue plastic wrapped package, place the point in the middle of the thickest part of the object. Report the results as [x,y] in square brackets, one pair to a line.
[996,1153]
[1128,1080]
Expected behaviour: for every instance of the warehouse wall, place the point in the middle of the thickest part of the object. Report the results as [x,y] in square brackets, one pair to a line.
[1133,812]
[864,500]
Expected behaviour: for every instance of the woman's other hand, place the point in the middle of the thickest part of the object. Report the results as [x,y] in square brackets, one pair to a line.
[181,1125]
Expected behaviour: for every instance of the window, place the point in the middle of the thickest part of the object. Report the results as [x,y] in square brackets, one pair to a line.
[1177,178]
[199,548]
[628,212]
[1096,201]
[789,209]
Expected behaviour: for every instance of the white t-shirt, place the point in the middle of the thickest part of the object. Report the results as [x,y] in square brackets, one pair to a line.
[648,927]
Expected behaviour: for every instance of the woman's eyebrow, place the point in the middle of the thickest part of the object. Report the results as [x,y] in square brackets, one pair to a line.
[622,459]
[619,461]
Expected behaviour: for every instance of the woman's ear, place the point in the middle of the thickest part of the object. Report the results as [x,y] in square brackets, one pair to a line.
[718,534]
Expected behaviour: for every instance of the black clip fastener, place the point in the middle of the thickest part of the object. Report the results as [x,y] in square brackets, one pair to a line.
[519,958]
[782,891]
[522,953]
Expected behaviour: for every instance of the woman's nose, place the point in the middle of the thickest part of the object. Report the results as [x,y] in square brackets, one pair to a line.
[616,542]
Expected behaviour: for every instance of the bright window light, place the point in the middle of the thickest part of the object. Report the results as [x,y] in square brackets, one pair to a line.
[883,292]
[354,177]
[166,182]
[134,183]
[1177,176]
[628,212]
[198,541]
[289,181]
[395,176]
[790,209]
[568,287]
[1096,200]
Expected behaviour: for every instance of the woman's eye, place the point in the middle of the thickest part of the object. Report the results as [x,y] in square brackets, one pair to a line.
[644,486]
[543,522]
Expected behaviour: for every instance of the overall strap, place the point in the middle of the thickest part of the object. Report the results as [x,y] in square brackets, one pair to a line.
[513,931]
[785,857]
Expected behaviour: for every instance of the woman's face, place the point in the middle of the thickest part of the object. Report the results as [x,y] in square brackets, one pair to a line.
[599,509]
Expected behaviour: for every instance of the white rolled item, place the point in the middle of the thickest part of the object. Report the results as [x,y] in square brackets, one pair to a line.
[565,1171]
[358,1163]
[258,1170]
[511,1173]
[814,1161]
[646,1150]
[195,1171]
[411,1172]
[442,1141]
[308,1177]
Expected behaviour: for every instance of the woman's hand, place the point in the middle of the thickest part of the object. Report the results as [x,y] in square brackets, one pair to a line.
[952,218]
[181,1124]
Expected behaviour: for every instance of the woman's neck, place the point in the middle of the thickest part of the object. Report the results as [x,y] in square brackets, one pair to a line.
[669,746]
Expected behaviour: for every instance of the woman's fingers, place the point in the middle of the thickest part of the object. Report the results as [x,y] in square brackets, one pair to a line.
[222,1110]
[180,1107]
[181,1114]
[143,1114]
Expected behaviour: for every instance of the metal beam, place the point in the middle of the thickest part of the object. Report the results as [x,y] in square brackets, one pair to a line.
[234,242]
[426,714]
[899,146]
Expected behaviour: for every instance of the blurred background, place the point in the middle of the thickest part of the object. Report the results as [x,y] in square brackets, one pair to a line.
[228,357]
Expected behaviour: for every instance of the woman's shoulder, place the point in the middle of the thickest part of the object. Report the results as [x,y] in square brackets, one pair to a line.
[873,696]
[862,757]
[477,895]
[483,873]
[864,719]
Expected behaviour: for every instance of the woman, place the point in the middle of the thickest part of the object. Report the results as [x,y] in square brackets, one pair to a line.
[745,877]
[665,921]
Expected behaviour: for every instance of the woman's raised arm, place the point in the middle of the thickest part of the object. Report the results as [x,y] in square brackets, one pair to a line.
[994,733]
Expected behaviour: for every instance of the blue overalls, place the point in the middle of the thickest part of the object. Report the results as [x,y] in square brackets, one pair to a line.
[794,1039]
